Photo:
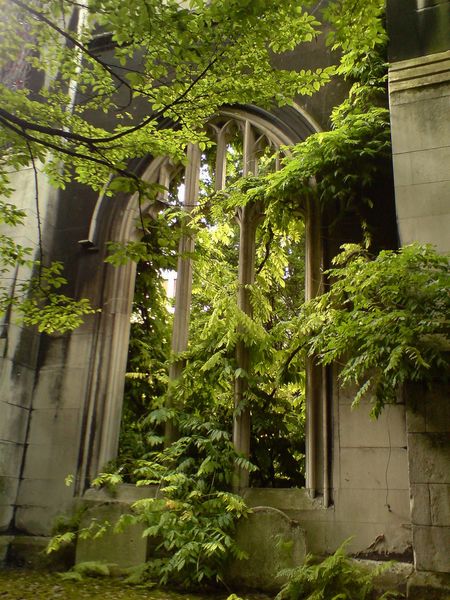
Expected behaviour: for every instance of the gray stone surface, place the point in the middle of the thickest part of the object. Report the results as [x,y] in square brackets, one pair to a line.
[374,468]
[429,457]
[10,458]
[432,548]
[38,520]
[284,499]
[5,541]
[30,552]
[430,586]
[393,578]
[6,516]
[372,506]
[420,96]
[357,429]
[416,116]
[440,504]
[124,549]
[272,542]
[8,489]
[13,423]
[420,504]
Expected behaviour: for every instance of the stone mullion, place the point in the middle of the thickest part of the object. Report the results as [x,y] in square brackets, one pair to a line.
[221,159]
[183,292]
[315,409]
[248,217]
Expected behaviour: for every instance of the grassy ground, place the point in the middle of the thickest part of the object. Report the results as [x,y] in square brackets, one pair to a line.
[19,584]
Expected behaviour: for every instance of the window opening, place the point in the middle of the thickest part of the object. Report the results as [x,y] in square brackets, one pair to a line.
[233,300]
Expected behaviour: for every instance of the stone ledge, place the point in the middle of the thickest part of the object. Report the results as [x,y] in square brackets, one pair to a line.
[283,499]
[125,493]
[432,586]
[419,72]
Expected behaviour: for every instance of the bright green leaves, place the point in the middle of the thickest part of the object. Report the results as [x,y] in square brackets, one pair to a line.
[357,30]
[192,516]
[337,578]
[167,60]
[41,303]
[385,319]
[37,301]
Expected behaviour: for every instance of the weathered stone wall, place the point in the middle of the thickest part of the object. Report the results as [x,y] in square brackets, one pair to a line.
[19,346]
[370,487]
[419,101]
[419,91]
[428,425]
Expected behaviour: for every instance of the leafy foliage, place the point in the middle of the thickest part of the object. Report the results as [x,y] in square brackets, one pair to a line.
[29,287]
[192,517]
[384,320]
[171,63]
[335,578]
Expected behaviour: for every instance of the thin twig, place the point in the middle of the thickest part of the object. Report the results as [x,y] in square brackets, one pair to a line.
[38,211]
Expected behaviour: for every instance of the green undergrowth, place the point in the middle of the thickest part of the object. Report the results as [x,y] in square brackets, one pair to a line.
[20,584]
[337,577]
[191,520]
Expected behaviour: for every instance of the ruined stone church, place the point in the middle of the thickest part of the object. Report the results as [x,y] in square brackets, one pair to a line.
[384,482]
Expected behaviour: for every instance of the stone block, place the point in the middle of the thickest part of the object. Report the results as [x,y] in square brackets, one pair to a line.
[421,125]
[16,383]
[58,460]
[37,492]
[426,230]
[373,539]
[125,493]
[63,350]
[372,506]
[416,418]
[420,504]
[422,200]
[432,586]
[48,389]
[6,516]
[430,165]
[10,458]
[394,578]
[438,408]
[59,426]
[440,504]
[402,169]
[357,429]
[38,520]
[320,536]
[124,549]
[13,424]
[373,468]
[8,489]
[429,457]
[272,542]
[5,541]
[30,552]
[347,393]
[431,548]
[23,343]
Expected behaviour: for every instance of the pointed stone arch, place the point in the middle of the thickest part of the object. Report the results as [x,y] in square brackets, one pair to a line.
[115,220]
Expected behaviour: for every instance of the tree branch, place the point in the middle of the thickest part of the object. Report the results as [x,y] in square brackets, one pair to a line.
[72,40]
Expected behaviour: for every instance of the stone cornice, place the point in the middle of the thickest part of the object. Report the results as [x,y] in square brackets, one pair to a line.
[419,72]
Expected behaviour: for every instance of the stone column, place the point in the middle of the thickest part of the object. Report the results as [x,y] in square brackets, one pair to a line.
[183,291]
[248,217]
